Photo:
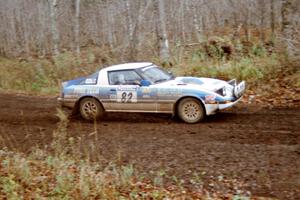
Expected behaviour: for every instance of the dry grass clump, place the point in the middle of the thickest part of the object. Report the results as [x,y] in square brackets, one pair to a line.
[61,173]
[44,75]
[251,69]
[42,176]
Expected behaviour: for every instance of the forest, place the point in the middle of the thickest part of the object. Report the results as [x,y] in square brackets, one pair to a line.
[133,29]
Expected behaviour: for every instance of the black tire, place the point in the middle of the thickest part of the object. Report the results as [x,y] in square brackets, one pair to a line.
[90,109]
[190,110]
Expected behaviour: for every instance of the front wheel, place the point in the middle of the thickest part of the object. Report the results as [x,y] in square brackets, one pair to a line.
[190,110]
[90,109]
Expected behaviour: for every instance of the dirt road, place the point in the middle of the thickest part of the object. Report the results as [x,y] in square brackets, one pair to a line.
[244,148]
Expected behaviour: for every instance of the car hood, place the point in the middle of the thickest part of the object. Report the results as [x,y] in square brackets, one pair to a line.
[195,82]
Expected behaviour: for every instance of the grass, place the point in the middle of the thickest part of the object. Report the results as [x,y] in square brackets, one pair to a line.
[44,75]
[251,69]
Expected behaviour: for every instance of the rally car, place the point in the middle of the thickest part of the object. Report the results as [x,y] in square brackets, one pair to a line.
[147,88]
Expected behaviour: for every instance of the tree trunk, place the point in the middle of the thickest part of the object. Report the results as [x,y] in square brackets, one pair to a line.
[197,21]
[53,7]
[262,7]
[234,13]
[162,34]
[287,25]
[182,22]
[131,40]
[77,26]
[272,19]
[108,26]
[246,25]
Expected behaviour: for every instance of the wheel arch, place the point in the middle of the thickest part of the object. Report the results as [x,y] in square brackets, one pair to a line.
[175,108]
[77,103]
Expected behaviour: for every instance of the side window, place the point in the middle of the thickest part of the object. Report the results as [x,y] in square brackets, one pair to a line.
[124,77]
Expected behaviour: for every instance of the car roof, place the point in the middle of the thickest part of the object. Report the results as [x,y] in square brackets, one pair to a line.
[133,65]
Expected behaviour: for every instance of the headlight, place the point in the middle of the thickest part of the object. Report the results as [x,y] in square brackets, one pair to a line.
[221,91]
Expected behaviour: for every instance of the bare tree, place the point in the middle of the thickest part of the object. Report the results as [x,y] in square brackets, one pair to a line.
[272,10]
[262,11]
[162,33]
[287,26]
[197,22]
[132,46]
[108,30]
[77,26]
[53,8]
[125,27]
[246,20]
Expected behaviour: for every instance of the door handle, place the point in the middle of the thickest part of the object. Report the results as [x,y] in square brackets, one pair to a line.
[112,90]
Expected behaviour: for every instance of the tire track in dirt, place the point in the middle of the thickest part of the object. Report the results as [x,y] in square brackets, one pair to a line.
[255,146]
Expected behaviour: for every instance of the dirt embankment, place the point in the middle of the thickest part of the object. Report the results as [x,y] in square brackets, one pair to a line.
[246,147]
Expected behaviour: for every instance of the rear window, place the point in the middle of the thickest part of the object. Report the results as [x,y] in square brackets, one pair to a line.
[90,80]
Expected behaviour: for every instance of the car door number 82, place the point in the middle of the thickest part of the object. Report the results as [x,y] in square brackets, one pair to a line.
[126,96]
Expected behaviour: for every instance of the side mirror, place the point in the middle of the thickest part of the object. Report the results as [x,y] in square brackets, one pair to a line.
[145,83]
[171,74]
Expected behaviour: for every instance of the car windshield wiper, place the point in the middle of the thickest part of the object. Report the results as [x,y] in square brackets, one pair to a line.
[160,80]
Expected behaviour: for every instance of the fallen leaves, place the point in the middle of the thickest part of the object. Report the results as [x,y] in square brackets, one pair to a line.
[278,92]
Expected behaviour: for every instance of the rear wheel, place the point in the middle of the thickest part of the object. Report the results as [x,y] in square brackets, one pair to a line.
[190,110]
[90,109]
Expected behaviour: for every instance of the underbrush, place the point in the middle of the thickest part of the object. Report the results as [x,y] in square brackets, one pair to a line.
[63,171]
[251,69]
[44,75]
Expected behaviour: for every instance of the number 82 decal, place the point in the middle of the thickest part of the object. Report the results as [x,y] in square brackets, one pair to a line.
[126,96]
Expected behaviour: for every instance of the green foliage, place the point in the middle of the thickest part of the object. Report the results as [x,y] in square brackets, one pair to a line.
[10,187]
[44,75]
[258,50]
[243,61]
[251,69]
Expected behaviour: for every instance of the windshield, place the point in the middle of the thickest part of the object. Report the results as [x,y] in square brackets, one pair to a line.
[156,74]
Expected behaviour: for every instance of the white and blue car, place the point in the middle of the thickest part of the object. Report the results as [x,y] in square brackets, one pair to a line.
[145,87]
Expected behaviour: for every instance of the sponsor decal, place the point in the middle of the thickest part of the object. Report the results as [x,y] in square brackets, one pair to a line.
[90,81]
[146,90]
[85,90]
[126,88]
[169,92]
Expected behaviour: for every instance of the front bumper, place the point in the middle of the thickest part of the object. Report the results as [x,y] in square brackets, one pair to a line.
[228,104]
[213,108]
